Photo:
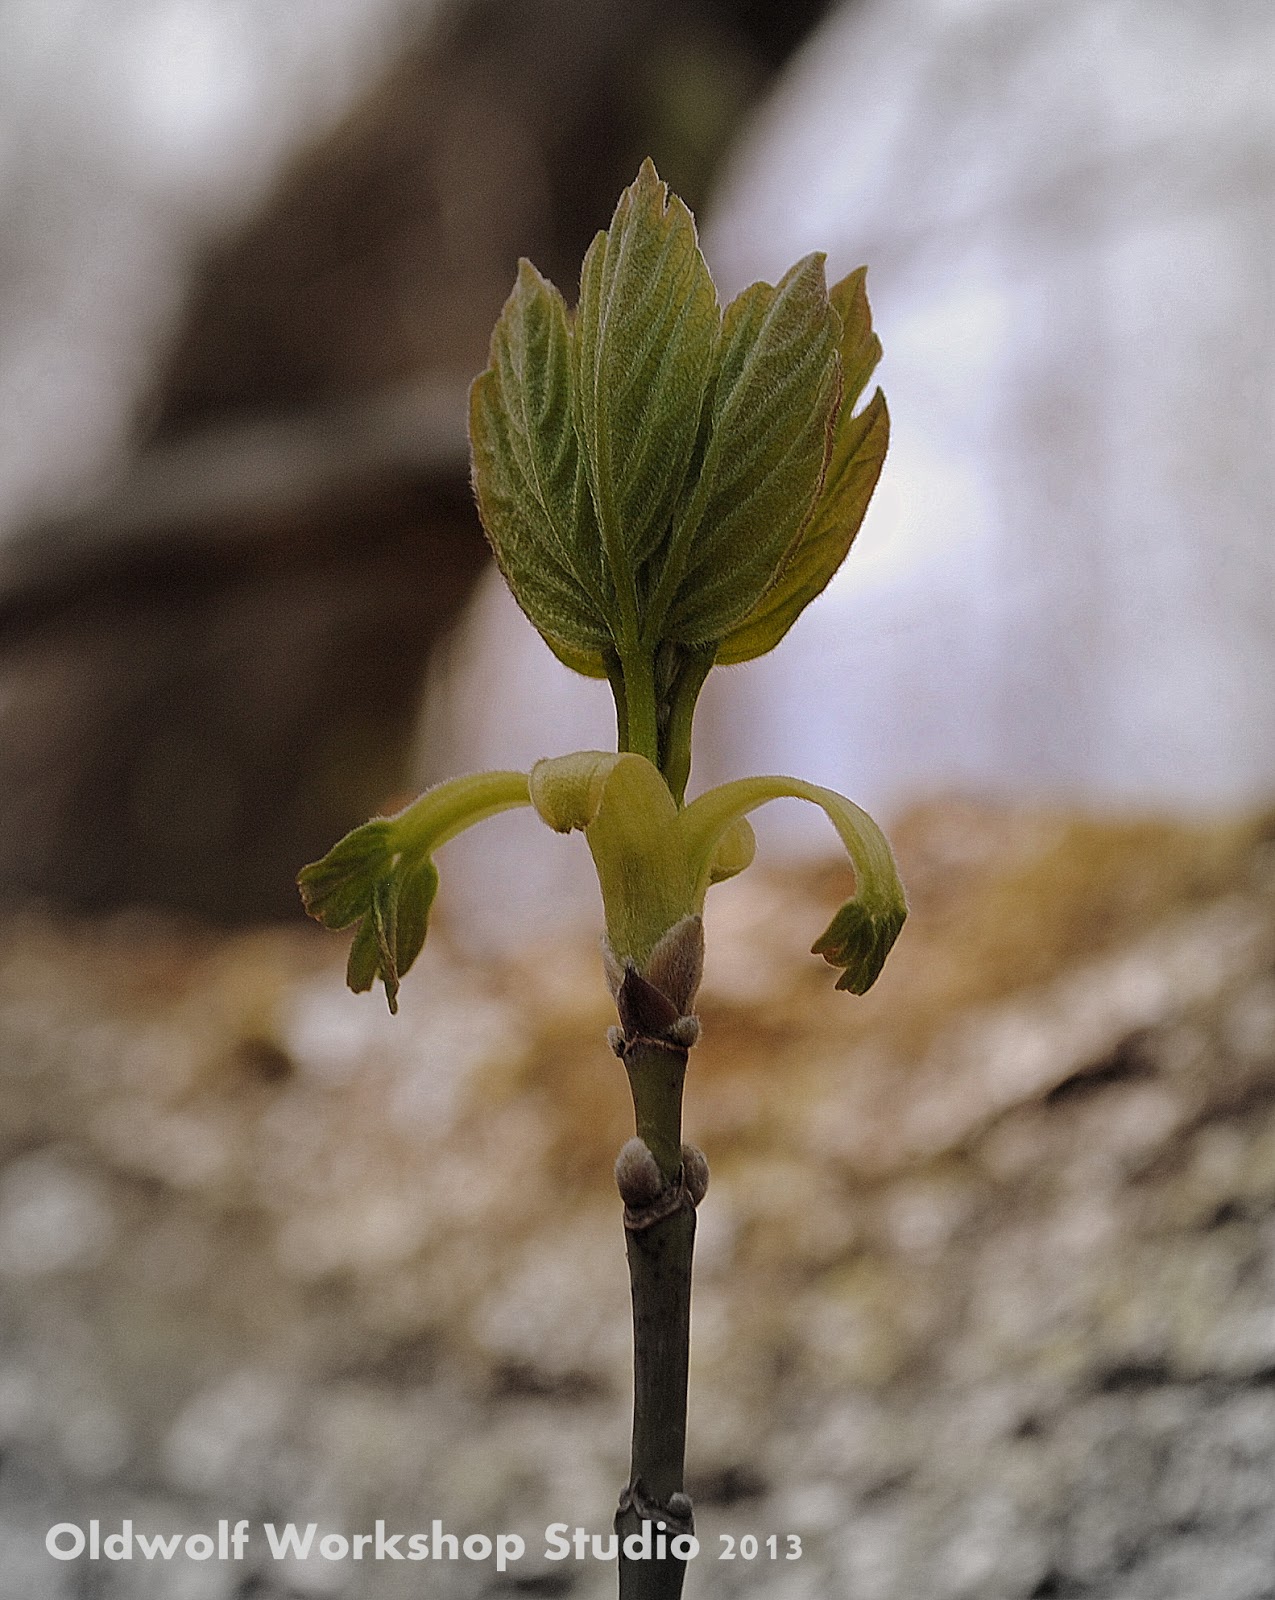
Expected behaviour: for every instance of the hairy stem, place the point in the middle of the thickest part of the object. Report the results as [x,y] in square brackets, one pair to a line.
[641,717]
[675,737]
[615,675]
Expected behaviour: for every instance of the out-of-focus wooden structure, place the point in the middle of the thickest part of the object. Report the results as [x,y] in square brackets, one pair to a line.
[215,668]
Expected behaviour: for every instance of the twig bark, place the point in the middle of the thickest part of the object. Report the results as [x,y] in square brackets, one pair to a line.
[661,1181]
[660,1278]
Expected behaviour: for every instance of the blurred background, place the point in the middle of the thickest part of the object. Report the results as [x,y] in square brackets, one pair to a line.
[986,1291]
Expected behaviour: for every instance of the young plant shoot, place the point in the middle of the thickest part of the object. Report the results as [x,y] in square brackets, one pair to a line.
[666,486]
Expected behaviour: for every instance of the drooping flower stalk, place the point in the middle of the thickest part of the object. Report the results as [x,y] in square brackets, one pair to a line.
[665,486]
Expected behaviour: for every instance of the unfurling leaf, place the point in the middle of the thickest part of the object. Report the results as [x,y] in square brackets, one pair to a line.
[665,487]
[645,343]
[858,939]
[655,863]
[774,399]
[529,477]
[382,875]
[337,890]
[393,929]
[858,451]
[861,934]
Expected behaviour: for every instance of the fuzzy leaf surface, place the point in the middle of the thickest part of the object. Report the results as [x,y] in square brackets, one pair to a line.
[529,479]
[858,450]
[337,890]
[764,452]
[644,343]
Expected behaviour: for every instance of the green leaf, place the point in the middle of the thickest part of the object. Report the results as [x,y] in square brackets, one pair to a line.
[382,875]
[646,331]
[392,932]
[773,404]
[528,477]
[365,961]
[338,890]
[858,939]
[383,920]
[417,886]
[664,487]
[588,663]
[860,936]
[860,349]
[858,450]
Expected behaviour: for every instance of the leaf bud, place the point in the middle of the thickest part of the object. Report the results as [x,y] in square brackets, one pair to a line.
[694,1173]
[684,1032]
[676,964]
[637,1175]
[679,1509]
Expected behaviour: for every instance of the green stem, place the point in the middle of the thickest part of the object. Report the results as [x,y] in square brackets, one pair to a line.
[660,1257]
[449,808]
[615,676]
[675,753]
[642,720]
